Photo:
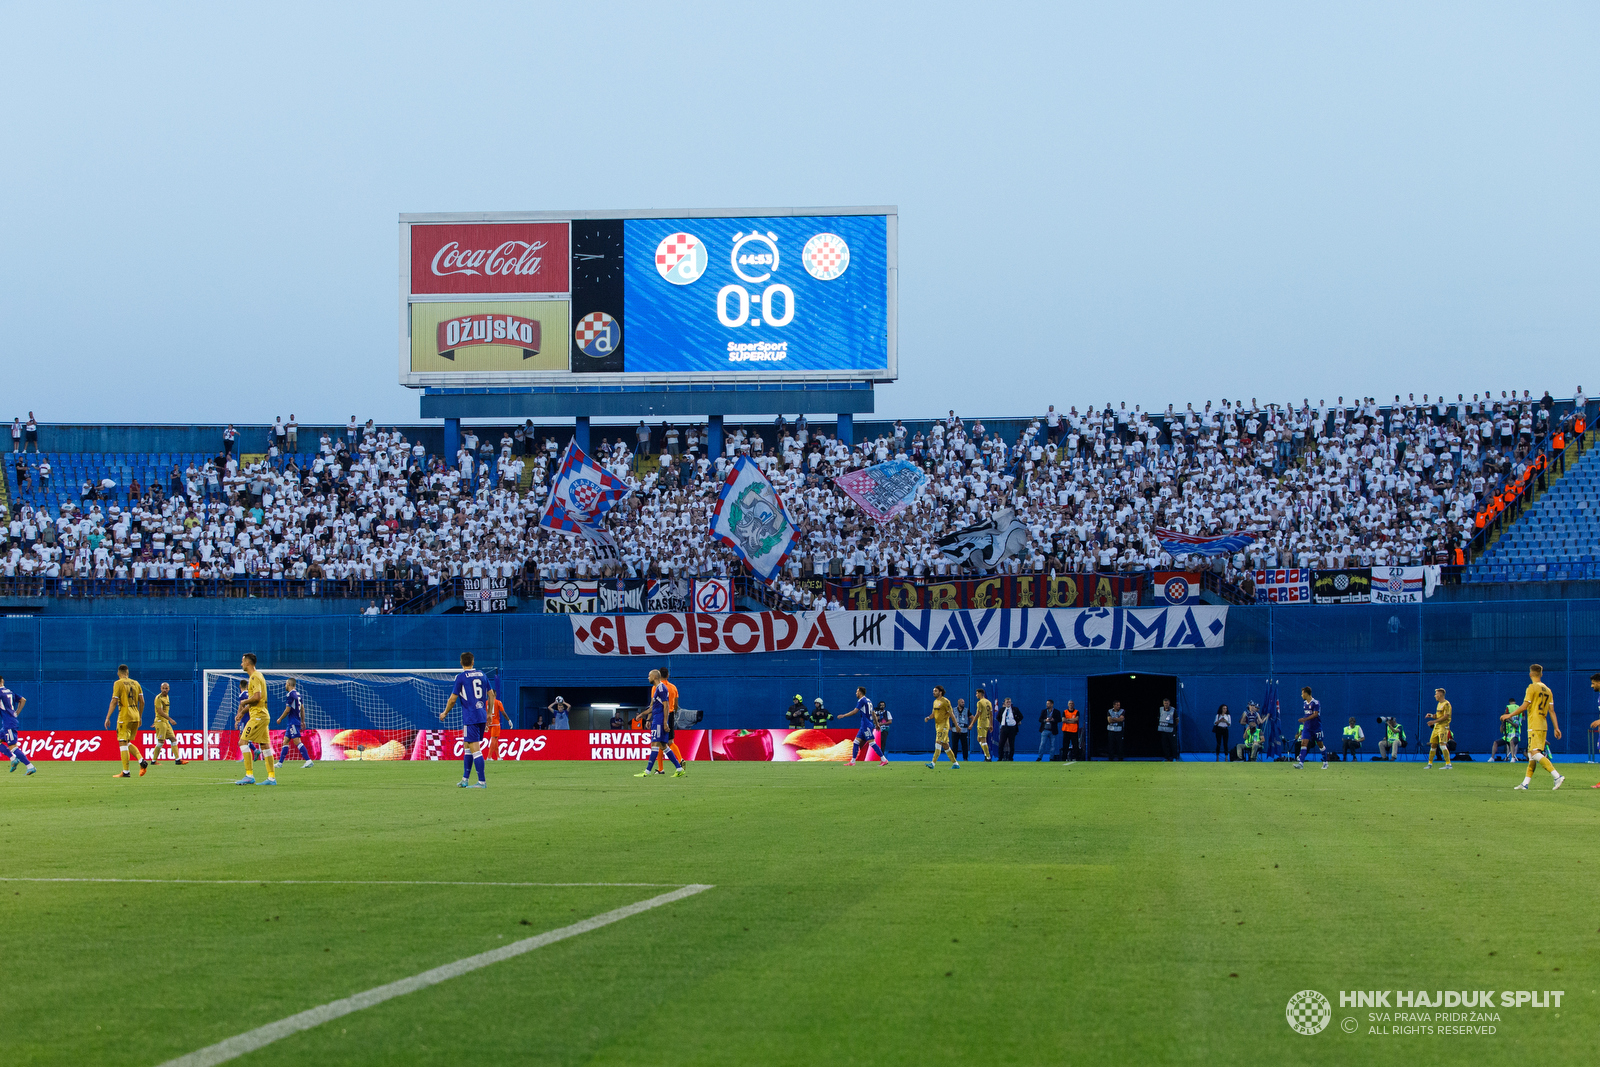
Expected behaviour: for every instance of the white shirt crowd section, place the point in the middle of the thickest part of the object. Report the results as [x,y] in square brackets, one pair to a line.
[1327,485]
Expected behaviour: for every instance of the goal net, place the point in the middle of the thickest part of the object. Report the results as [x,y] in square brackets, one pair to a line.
[349,715]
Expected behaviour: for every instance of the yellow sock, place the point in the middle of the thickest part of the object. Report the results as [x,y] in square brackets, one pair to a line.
[124,748]
[985,746]
[266,754]
[1544,761]
[249,763]
[133,750]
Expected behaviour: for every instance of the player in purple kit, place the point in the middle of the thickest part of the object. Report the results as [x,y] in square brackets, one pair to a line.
[1310,728]
[864,729]
[660,739]
[472,689]
[10,744]
[294,710]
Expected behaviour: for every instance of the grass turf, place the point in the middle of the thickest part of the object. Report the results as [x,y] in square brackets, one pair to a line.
[1000,914]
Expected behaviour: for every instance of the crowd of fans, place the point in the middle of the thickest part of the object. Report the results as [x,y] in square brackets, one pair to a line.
[1342,484]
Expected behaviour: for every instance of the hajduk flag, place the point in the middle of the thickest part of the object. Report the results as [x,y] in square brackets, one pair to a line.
[583,492]
[884,490]
[750,519]
[1182,544]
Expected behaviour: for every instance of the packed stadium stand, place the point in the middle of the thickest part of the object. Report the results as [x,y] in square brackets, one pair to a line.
[374,515]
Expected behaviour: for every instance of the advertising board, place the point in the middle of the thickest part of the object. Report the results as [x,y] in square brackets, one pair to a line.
[648,297]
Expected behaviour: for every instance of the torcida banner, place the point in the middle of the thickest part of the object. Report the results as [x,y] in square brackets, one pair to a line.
[1031,629]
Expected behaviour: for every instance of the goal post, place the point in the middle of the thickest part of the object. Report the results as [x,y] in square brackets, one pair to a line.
[348,714]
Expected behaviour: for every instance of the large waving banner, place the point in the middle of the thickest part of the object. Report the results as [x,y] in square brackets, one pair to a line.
[1032,629]
[884,490]
[749,518]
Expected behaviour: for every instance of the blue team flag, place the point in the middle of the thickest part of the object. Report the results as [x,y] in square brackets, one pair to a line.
[1180,544]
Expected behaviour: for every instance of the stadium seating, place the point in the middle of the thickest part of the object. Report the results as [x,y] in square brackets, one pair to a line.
[1557,539]
[70,470]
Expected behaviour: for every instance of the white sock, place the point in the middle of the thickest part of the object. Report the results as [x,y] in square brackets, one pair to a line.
[1527,780]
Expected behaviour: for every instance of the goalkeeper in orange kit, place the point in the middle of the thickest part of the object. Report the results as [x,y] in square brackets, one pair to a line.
[671,724]
[491,736]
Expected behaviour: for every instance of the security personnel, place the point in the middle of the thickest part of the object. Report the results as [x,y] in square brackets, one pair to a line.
[796,713]
[961,728]
[1352,740]
[1389,747]
[1069,732]
[1510,732]
[819,715]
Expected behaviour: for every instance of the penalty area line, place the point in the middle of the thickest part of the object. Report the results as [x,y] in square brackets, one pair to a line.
[251,1040]
[303,881]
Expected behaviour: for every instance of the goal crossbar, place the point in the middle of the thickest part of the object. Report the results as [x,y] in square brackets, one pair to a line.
[380,700]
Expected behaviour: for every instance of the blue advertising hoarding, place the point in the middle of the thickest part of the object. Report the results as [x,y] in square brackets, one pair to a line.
[650,296]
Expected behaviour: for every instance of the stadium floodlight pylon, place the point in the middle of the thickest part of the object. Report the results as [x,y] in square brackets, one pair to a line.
[370,714]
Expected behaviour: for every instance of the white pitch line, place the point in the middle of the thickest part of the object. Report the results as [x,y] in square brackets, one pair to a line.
[292,881]
[233,1047]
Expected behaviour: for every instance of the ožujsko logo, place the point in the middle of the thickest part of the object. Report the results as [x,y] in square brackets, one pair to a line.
[681,258]
[826,256]
[507,259]
[755,257]
[597,334]
[468,330]
[1309,1012]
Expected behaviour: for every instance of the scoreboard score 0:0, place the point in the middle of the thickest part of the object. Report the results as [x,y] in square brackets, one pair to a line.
[574,299]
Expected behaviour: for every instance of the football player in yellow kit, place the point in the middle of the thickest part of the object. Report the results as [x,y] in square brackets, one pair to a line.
[127,702]
[941,715]
[1440,741]
[1538,703]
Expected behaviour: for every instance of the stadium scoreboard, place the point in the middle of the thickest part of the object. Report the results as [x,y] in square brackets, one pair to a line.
[610,298]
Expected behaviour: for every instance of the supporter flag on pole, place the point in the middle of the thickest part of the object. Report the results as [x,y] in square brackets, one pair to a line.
[579,498]
[1180,544]
[750,519]
[884,490]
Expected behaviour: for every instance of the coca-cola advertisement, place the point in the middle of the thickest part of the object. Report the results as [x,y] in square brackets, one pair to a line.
[490,257]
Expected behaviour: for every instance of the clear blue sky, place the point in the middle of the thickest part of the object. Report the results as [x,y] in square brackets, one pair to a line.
[1140,202]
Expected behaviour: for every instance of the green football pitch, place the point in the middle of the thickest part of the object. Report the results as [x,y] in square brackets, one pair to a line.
[999,914]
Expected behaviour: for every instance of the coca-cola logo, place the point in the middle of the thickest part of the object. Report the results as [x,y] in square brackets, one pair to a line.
[509,257]
[490,257]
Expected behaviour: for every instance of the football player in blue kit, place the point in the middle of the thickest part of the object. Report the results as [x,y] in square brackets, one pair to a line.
[10,743]
[865,738]
[294,711]
[660,738]
[1310,728]
[472,689]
